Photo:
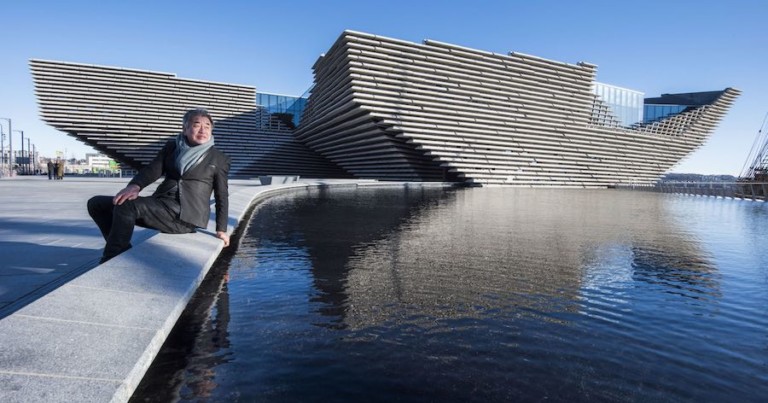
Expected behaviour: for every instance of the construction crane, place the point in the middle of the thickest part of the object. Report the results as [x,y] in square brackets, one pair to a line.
[756,166]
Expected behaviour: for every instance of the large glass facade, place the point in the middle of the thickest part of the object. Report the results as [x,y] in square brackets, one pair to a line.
[284,104]
[655,112]
[626,104]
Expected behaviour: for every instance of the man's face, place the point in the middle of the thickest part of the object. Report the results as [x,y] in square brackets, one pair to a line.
[198,131]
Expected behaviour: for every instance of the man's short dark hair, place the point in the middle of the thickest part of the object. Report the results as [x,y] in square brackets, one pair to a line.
[193,113]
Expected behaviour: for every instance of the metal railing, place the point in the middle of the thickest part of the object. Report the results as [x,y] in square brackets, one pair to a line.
[736,190]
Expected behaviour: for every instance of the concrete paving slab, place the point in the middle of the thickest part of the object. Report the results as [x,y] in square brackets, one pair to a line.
[13,288]
[49,236]
[140,278]
[105,307]
[25,388]
[60,348]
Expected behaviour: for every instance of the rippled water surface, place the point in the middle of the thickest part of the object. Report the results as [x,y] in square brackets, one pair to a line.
[484,294]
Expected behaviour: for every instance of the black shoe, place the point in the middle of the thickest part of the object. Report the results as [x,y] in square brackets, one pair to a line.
[105,258]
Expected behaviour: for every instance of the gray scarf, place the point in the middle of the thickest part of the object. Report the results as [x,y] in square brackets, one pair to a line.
[187,157]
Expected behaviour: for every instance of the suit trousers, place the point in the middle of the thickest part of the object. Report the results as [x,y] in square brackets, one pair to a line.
[116,222]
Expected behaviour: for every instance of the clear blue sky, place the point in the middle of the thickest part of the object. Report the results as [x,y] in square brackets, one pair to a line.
[654,46]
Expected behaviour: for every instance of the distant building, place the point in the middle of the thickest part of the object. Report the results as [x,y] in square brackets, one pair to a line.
[387,109]
[99,162]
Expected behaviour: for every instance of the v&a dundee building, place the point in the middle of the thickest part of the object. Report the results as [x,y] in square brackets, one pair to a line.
[388,109]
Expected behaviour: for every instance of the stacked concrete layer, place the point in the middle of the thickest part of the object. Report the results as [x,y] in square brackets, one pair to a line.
[129,114]
[339,129]
[390,109]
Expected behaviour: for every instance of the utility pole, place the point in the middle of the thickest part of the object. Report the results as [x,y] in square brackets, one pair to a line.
[2,149]
[22,165]
[10,146]
[22,150]
[31,169]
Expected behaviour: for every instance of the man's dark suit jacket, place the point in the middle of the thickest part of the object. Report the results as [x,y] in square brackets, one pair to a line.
[194,187]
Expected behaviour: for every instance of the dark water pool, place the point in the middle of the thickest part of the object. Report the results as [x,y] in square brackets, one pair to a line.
[480,295]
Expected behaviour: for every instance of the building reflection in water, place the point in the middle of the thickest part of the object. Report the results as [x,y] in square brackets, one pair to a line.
[442,262]
[467,251]
[186,365]
[481,249]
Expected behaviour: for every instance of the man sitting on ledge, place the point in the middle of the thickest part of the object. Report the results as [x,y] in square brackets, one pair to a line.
[193,170]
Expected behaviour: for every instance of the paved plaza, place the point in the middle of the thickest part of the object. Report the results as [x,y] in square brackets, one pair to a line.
[73,330]
[46,235]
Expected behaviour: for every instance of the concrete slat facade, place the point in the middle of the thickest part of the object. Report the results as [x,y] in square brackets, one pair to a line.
[445,111]
[129,114]
[388,109]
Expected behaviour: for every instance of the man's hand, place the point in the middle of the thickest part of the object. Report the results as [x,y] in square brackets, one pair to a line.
[130,192]
[223,236]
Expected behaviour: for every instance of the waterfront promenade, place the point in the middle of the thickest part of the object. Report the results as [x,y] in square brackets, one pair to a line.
[73,330]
